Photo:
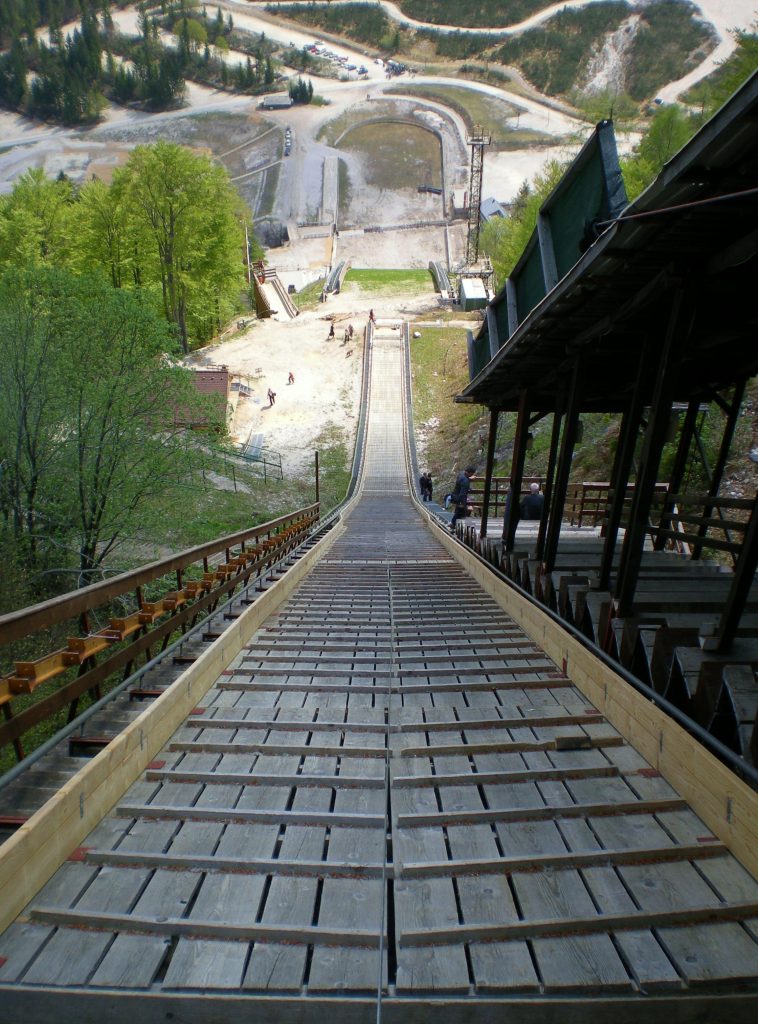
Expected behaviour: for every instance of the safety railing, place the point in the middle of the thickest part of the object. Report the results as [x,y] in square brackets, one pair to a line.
[499,492]
[143,609]
[587,502]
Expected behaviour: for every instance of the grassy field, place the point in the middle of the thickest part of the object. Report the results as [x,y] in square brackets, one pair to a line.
[310,296]
[388,283]
[478,108]
[449,436]
[352,118]
[396,155]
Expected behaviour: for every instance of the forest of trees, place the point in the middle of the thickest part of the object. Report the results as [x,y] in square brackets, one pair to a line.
[170,225]
[101,287]
[71,78]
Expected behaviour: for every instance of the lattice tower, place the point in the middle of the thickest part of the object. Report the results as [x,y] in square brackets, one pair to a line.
[478,138]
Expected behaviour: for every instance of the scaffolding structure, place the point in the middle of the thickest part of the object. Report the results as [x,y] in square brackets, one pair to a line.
[478,138]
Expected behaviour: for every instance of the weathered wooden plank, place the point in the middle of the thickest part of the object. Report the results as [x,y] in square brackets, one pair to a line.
[543,812]
[101,923]
[488,778]
[446,749]
[563,924]
[561,861]
[240,815]
[243,779]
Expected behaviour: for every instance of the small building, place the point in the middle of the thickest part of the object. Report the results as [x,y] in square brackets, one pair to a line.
[214,383]
[473,294]
[276,101]
[490,209]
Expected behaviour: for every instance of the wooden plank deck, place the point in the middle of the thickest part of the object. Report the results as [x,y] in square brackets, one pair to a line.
[391,793]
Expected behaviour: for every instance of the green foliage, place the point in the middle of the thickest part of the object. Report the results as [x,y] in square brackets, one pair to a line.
[505,238]
[13,75]
[22,17]
[671,41]
[301,91]
[35,221]
[88,422]
[451,433]
[185,224]
[670,128]
[169,224]
[607,103]
[366,23]
[716,89]
[475,13]
[390,282]
[69,76]
[554,55]
[459,45]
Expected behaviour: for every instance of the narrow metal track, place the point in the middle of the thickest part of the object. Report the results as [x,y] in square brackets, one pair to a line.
[391,805]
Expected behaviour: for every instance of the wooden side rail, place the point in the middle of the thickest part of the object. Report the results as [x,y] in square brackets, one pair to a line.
[587,502]
[499,491]
[127,637]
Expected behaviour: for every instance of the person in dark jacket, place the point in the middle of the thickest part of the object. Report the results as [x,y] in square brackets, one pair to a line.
[460,495]
[425,486]
[532,505]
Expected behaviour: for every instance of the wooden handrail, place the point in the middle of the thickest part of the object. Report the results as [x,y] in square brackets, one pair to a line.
[127,637]
[40,616]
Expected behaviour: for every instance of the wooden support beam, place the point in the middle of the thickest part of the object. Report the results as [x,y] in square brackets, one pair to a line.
[238,815]
[547,490]
[89,920]
[717,473]
[506,778]
[491,442]
[623,460]
[582,742]
[686,433]
[235,865]
[574,860]
[176,775]
[677,333]
[563,470]
[744,576]
[510,519]
[542,813]
[604,923]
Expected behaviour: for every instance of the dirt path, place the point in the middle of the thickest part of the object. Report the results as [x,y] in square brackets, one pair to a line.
[323,400]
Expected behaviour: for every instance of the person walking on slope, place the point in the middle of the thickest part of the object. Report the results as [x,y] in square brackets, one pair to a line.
[425,486]
[460,495]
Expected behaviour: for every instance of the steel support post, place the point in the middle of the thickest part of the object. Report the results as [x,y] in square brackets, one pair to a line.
[718,469]
[491,441]
[563,469]
[677,470]
[622,465]
[555,438]
[744,575]
[677,332]
[510,519]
